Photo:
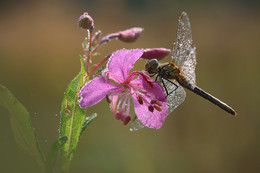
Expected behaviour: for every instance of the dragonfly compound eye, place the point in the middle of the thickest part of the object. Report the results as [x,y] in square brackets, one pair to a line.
[151,66]
[153,63]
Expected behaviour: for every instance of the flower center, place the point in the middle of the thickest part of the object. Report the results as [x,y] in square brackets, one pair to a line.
[143,98]
[120,104]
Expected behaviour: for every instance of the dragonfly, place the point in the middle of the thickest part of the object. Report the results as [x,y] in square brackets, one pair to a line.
[180,72]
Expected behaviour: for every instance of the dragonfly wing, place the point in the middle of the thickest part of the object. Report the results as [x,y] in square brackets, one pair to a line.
[184,53]
[176,97]
[136,125]
[189,65]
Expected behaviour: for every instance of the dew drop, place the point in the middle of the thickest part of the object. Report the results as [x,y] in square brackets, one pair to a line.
[87,118]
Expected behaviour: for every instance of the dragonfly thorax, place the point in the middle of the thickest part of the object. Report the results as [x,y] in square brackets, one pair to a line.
[169,71]
[166,71]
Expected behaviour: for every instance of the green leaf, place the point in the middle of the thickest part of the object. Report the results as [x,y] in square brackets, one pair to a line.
[52,153]
[87,121]
[21,125]
[72,117]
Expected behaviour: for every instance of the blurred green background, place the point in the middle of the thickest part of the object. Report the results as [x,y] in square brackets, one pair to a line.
[39,47]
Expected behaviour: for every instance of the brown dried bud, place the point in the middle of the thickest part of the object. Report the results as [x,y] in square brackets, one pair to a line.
[85,21]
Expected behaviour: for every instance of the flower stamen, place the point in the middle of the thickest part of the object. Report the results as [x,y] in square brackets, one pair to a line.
[118,114]
[157,108]
[155,101]
[127,119]
[140,100]
[151,109]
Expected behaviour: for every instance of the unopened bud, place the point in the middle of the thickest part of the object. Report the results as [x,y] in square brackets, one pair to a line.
[130,35]
[155,53]
[97,35]
[85,21]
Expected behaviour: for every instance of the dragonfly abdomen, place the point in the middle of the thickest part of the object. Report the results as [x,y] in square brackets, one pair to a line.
[214,100]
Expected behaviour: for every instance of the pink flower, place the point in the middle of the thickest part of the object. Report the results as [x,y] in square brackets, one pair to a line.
[148,96]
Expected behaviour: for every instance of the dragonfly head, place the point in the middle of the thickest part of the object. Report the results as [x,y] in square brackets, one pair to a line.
[151,66]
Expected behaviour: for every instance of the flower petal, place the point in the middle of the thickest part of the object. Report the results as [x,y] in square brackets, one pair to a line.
[95,90]
[151,119]
[148,84]
[122,61]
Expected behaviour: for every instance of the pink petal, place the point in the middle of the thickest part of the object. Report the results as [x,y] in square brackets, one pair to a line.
[122,61]
[150,119]
[155,118]
[95,90]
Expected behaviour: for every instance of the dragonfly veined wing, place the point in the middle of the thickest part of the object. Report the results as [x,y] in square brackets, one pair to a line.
[184,53]
[136,124]
[176,97]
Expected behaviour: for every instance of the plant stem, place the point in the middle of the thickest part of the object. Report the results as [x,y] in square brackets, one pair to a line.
[99,64]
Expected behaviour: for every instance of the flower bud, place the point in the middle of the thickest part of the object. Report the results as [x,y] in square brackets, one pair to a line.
[130,35]
[97,35]
[85,21]
[155,53]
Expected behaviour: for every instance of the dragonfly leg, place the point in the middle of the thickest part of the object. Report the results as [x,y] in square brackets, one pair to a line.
[176,87]
[173,84]
[164,86]
[161,80]
[156,78]
[152,75]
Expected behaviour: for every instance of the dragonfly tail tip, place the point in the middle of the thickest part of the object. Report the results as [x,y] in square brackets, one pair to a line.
[234,113]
